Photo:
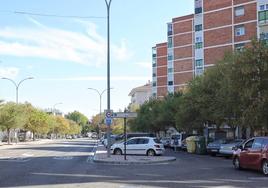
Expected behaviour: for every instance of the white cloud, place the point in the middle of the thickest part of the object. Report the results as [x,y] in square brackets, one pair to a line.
[101,78]
[147,65]
[46,42]
[9,72]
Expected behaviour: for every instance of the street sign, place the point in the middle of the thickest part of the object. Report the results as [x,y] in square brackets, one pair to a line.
[108,121]
[124,115]
[108,113]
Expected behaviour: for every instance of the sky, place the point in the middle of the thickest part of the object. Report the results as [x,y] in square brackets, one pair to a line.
[66,53]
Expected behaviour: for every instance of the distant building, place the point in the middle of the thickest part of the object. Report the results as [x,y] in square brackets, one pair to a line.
[197,41]
[140,94]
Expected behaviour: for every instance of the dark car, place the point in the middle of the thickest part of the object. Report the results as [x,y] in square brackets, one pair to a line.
[214,147]
[253,154]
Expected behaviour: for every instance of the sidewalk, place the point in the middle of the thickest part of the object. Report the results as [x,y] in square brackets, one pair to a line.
[4,145]
[101,157]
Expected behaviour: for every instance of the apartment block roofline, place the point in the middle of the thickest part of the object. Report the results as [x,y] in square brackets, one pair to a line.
[183,18]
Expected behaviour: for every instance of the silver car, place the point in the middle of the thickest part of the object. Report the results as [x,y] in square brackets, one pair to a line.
[229,148]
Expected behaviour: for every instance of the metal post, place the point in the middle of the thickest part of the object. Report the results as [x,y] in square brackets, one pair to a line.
[100,95]
[17,95]
[108,4]
[125,138]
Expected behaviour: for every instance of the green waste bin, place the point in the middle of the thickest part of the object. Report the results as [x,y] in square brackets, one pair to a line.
[191,146]
[200,143]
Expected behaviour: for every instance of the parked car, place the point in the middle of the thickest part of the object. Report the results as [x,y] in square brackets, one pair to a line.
[229,148]
[139,145]
[213,148]
[113,140]
[253,154]
[184,145]
[165,141]
[176,140]
[131,135]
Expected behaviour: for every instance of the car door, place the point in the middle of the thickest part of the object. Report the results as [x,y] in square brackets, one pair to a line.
[142,146]
[244,154]
[131,146]
[255,154]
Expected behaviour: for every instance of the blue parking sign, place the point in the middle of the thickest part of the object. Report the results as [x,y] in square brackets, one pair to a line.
[108,121]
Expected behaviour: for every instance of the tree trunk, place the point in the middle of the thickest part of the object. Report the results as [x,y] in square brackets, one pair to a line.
[8,136]
[33,136]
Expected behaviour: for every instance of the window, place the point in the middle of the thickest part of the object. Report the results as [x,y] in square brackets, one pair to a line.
[265,143]
[132,141]
[198,39]
[199,63]
[170,42]
[170,70]
[262,7]
[239,30]
[199,71]
[240,46]
[263,15]
[198,3]
[154,64]
[154,94]
[154,84]
[249,144]
[170,83]
[239,11]
[170,55]
[143,141]
[198,27]
[154,75]
[198,45]
[257,143]
[198,10]
[170,29]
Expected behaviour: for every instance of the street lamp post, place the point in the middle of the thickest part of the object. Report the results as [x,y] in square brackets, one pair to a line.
[54,113]
[17,85]
[17,95]
[100,96]
[108,5]
[54,108]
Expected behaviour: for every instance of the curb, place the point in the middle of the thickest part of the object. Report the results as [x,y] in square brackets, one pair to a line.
[133,162]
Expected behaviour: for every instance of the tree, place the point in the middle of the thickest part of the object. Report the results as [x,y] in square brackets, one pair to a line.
[10,117]
[250,79]
[77,117]
[37,121]
[62,126]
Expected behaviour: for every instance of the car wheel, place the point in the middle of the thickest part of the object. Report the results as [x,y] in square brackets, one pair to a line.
[118,152]
[151,152]
[265,167]
[237,163]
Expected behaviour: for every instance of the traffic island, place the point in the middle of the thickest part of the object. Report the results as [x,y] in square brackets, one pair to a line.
[101,157]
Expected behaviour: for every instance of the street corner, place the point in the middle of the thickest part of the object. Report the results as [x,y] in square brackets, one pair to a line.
[131,159]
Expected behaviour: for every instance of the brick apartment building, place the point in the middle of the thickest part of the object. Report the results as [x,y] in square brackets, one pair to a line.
[197,41]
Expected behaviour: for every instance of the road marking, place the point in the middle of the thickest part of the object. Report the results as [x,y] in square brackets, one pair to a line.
[15,159]
[63,158]
[258,178]
[27,154]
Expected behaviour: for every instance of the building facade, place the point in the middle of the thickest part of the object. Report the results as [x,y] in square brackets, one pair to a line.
[198,41]
[139,95]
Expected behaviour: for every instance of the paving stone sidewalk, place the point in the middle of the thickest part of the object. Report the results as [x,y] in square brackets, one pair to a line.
[101,157]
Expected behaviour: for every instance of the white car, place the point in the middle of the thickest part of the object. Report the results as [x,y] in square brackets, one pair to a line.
[139,145]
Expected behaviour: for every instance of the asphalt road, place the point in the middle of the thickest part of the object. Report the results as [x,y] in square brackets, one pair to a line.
[68,164]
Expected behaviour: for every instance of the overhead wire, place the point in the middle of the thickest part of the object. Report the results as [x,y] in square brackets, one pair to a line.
[53,15]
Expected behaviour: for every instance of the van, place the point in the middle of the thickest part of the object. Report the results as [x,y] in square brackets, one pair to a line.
[176,140]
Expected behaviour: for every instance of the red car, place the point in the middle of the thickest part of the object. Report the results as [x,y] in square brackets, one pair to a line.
[253,154]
